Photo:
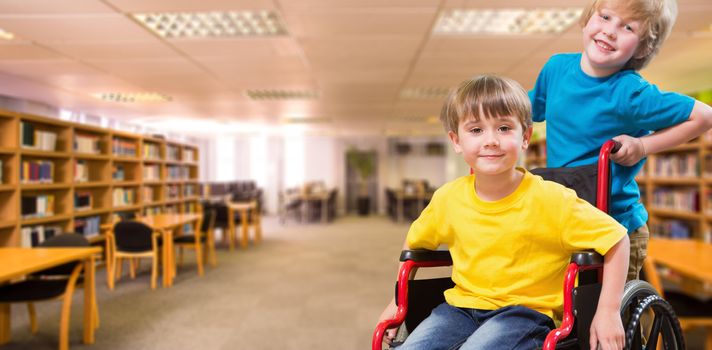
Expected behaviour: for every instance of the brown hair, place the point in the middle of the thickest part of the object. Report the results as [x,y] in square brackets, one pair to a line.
[488,96]
[656,18]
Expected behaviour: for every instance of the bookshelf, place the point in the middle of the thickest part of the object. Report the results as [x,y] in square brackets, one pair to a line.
[675,187]
[58,176]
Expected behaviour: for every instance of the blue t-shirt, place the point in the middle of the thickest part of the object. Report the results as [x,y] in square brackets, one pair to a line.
[582,112]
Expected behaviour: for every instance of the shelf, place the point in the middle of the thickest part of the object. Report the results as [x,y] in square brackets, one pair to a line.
[174,181]
[44,154]
[675,181]
[152,182]
[152,160]
[125,183]
[36,187]
[90,212]
[126,159]
[44,220]
[91,156]
[694,146]
[675,213]
[91,184]
[173,162]
[172,201]
[7,223]
[191,198]
[127,207]
[4,150]
[7,188]
[154,204]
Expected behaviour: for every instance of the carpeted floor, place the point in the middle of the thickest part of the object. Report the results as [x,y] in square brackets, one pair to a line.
[304,287]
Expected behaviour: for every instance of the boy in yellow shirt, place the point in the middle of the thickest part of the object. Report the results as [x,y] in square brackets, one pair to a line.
[510,233]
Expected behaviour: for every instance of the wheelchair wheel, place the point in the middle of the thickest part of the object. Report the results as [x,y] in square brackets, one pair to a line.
[645,315]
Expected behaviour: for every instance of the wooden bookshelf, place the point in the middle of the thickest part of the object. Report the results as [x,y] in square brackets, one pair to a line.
[676,189]
[75,170]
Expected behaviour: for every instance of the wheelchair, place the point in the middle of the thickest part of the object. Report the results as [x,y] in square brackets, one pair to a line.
[649,321]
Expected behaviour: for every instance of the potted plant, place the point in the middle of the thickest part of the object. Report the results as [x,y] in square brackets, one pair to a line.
[362,162]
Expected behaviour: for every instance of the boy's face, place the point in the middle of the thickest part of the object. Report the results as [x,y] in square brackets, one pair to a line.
[610,40]
[490,146]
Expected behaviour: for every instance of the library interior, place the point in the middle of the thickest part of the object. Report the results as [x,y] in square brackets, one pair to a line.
[242,174]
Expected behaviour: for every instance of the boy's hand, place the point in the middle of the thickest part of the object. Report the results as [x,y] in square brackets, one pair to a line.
[631,152]
[387,314]
[607,330]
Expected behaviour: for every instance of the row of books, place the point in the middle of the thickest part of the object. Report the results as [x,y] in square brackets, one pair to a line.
[172,191]
[677,165]
[86,144]
[676,229]
[148,194]
[123,196]
[37,206]
[152,211]
[88,226]
[81,170]
[151,151]
[188,155]
[37,139]
[682,199]
[117,172]
[177,172]
[152,172]
[172,153]
[37,171]
[121,147]
[32,236]
[190,190]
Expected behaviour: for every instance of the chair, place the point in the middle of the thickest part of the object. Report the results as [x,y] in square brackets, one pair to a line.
[54,283]
[131,239]
[692,312]
[203,241]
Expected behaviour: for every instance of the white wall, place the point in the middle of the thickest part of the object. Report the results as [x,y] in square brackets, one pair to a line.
[276,162]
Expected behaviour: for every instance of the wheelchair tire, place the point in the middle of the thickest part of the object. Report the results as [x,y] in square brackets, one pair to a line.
[641,300]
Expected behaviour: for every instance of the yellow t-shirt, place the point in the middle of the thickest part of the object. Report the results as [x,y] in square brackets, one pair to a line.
[513,251]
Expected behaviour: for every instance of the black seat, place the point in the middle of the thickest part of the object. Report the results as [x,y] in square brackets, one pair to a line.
[132,239]
[204,239]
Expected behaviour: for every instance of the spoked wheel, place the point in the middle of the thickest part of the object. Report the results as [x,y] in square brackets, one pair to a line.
[648,318]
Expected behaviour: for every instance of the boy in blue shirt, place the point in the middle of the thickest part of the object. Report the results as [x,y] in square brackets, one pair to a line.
[590,97]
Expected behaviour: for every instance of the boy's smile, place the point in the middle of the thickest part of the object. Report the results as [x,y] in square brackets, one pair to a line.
[610,40]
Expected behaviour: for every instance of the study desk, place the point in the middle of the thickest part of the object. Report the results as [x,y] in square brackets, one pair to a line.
[686,256]
[167,224]
[244,209]
[321,197]
[18,262]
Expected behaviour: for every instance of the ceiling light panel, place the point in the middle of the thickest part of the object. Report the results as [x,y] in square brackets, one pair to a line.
[5,35]
[281,94]
[213,24]
[425,93]
[506,21]
[132,97]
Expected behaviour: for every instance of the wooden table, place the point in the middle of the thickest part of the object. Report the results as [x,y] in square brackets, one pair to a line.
[18,262]
[167,224]
[321,197]
[243,208]
[689,257]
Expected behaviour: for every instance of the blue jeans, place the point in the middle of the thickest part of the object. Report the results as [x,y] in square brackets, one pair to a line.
[449,327]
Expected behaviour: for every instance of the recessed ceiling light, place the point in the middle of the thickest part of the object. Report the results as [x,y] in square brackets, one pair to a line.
[132,97]
[425,93]
[5,35]
[281,94]
[212,24]
[506,21]
[315,120]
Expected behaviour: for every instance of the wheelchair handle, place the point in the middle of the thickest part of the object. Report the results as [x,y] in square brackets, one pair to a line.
[603,186]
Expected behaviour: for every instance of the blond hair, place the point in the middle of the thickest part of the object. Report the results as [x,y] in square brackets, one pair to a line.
[487,96]
[656,18]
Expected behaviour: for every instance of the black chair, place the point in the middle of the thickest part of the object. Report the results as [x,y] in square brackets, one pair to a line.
[331,204]
[203,241]
[54,283]
[132,240]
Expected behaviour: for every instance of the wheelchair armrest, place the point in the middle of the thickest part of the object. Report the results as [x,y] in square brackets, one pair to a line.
[420,255]
[586,258]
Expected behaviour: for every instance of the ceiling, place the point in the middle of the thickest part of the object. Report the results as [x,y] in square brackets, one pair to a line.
[357,54]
